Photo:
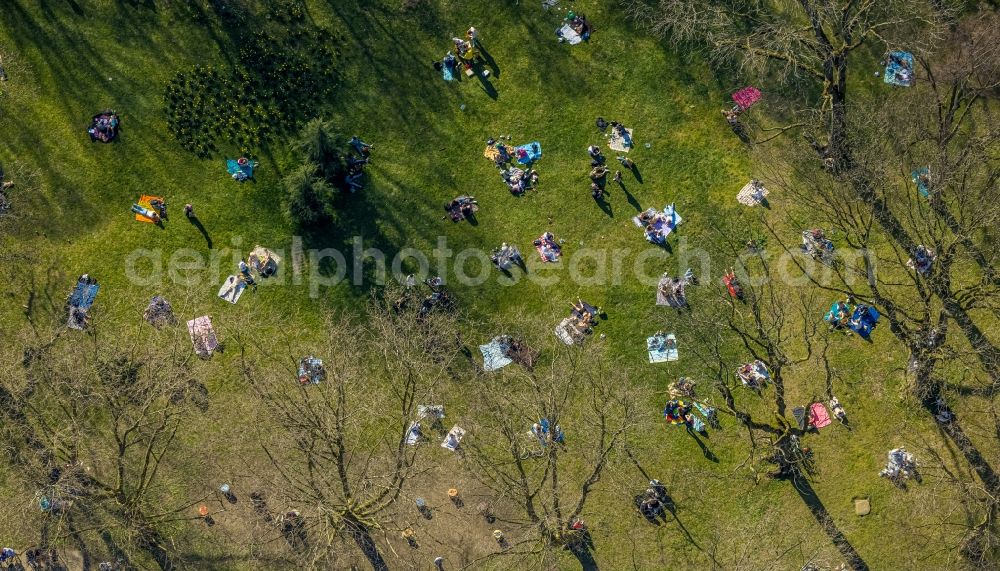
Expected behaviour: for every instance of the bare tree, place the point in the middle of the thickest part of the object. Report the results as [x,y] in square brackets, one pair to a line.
[542,440]
[92,422]
[337,450]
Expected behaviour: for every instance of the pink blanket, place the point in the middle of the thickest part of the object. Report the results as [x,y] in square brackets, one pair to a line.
[818,416]
[746,97]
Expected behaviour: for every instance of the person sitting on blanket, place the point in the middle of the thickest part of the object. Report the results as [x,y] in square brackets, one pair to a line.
[449,61]
[580,25]
[363,147]
[840,316]
[245,275]
[160,207]
[898,61]
[461,207]
[751,377]
[651,508]
[838,410]
[466,50]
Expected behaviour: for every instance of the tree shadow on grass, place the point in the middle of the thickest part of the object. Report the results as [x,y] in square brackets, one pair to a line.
[825,521]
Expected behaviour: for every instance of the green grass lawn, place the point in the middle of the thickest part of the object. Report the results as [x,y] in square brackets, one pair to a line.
[67,61]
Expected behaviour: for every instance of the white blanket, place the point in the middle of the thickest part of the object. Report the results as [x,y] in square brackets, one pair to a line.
[752,194]
[570,35]
[232,289]
[454,437]
[620,143]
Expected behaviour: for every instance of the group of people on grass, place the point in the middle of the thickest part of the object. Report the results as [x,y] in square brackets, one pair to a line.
[599,171]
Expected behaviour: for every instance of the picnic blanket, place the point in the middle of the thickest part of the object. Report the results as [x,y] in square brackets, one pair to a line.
[711,417]
[527,154]
[311,370]
[662,348]
[899,69]
[434,412]
[568,332]
[800,415]
[547,248]
[83,295]
[569,34]
[619,142]
[818,416]
[453,438]
[816,244]
[203,335]
[677,412]
[753,375]
[498,151]
[862,506]
[662,225]
[752,194]
[495,354]
[159,312]
[145,202]
[746,97]
[232,289]
[921,178]
[864,320]
[238,171]
[263,261]
[413,433]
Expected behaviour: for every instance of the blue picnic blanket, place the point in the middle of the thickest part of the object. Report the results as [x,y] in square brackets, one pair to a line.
[527,154]
[494,355]
[899,69]
[662,226]
[864,320]
[238,171]
[920,178]
[658,349]
[83,295]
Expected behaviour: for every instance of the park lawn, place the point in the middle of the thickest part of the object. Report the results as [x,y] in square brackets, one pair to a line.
[73,217]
